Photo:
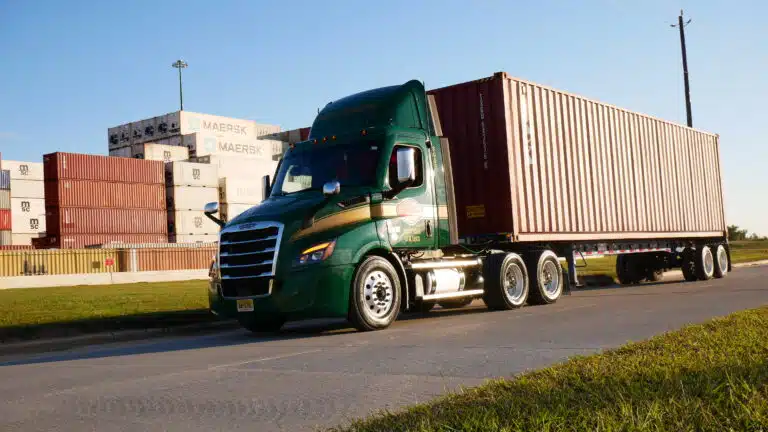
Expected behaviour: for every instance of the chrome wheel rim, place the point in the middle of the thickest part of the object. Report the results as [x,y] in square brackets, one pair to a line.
[709,261]
[514,284]
[378,294]
[550,279]
[722,259]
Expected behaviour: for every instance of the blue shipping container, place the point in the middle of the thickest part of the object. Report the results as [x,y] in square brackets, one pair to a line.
[5,179]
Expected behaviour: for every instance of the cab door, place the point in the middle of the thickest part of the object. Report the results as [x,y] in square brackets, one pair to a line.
[413,215]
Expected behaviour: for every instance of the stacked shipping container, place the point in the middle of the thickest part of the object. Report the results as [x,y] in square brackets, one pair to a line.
[94,200]
[5,208]
[27,201]
[190,186]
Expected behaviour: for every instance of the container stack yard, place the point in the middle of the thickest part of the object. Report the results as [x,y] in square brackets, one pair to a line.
[189,187]
[5,207]
[27,201]
[94,200]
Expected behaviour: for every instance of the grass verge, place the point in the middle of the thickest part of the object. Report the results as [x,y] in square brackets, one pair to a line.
[709,377]
[64,311]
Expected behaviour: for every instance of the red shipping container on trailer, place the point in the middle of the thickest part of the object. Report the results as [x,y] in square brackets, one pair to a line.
[75,166]
[98,194]
[5,220]
[78,220]
[80,241]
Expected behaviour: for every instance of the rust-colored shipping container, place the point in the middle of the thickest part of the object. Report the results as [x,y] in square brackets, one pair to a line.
[5,219]
[166,259]
[79,241]
[78,220]
[99,194]
[15,247]
[543,165]
[75,166]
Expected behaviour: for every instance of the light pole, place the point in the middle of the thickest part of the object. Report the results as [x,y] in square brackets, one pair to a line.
[180,64]
[681,26]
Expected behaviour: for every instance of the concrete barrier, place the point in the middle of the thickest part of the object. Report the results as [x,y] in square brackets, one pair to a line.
[101,278]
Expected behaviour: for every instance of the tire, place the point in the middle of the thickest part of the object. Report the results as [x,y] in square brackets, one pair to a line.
[704,262]
[265,326]
[375,295]
[688,266]
[546,280]
[628,269]
[721,262]
[506,281]
[456,304]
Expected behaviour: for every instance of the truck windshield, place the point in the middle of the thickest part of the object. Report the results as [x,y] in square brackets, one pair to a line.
[351,165]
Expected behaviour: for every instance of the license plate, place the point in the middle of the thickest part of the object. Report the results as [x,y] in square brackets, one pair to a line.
[245,305]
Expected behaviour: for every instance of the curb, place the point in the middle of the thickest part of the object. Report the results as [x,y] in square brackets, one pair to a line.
[59,344]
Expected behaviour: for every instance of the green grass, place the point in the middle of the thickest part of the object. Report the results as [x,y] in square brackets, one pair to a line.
[66,310]
[747,251]
[709,377]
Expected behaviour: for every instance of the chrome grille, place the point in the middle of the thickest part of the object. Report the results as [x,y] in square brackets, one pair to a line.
[247,258]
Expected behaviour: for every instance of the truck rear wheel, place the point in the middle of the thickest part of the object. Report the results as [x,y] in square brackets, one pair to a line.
[721,261]
[506,281]
[546,278]
[688,265]
[375,296]
[704,262]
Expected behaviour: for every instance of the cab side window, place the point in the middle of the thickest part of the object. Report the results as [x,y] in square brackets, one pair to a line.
[393,167]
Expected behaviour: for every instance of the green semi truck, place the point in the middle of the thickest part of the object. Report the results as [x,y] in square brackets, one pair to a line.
[402,199]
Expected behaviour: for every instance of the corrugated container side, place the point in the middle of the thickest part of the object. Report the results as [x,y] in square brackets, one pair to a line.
[27,215]
[165,153]
[24,170]
[15,247]
[124,152]
[240,191]
[190,198]
[77,220]
[231,211]
[173,259]
[5,180]
[5,237]
[240,167]
[202,239]
[56,262]
[5,199]
[545,165]
[27,189]
[191,174]
[190,223]
[97,194]
[5,219]
[77,241]
[75,166]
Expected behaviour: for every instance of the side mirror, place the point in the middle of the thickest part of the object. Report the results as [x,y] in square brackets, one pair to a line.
[406,165]
[266,186]
[332,187]
[211,208]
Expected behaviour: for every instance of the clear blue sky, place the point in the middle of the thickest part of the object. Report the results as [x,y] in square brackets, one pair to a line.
[72,69]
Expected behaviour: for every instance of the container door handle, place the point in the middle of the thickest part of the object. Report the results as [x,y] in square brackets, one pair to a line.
[429,229]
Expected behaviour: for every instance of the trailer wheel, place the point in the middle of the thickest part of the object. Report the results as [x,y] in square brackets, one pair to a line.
[546,278]
[721,261]
[506,281]
[705,263]
[375,297]
[628,270]
[688,265]
[456,303]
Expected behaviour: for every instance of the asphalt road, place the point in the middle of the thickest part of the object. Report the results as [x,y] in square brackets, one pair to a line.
[323,374]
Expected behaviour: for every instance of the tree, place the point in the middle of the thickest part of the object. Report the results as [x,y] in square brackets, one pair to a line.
[736,234]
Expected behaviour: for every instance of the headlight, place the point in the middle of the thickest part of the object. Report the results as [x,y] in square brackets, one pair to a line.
[317,253]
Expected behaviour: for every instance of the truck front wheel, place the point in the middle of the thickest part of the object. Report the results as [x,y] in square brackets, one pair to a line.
[375,296]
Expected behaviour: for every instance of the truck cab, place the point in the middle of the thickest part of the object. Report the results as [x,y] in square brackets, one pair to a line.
[347,207]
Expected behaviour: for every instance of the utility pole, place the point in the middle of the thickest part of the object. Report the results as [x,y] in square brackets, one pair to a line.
[681,26]
[180,64]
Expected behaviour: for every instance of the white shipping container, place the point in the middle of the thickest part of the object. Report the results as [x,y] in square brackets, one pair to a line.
[241,167]
[24,239]
[5,238]
[231,211]
[124,152]
[24,170]
[27,215]
[190,198]
[149,129]
[240,190]
[27,189]
[190,223]
[119,136]
[200,238]
[191,174]
[165,152]
[5,199]
[204,144]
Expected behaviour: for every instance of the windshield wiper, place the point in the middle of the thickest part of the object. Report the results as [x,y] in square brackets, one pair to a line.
[302,190]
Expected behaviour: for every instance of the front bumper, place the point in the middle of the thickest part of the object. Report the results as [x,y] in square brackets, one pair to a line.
[321,292]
